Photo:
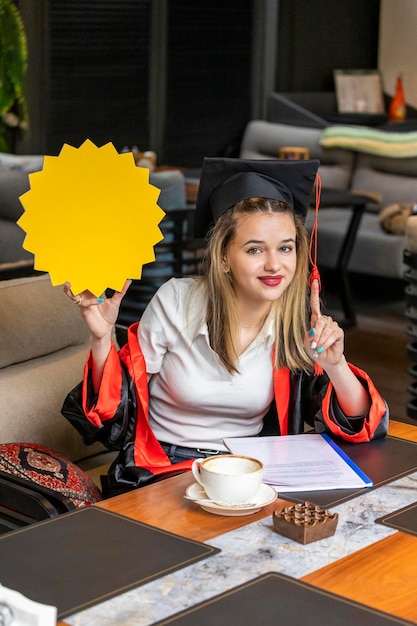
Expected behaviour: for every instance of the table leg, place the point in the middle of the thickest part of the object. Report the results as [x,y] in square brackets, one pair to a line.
[342,266]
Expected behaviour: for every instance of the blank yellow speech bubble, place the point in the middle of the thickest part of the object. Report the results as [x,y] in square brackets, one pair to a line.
[91,218]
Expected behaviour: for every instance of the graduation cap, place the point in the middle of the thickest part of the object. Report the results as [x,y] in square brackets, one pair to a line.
[225,181]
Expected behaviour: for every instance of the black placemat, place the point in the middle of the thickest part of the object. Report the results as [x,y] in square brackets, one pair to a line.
[274,599]
[383,460]
[404,519]
[79,559]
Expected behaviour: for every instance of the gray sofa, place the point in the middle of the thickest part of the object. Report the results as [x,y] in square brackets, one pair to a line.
[394,180]
[43,346]
[14,182]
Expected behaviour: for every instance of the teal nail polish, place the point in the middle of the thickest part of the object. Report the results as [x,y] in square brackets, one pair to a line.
[315,355]
[312,332]
[99,300]
[320,350]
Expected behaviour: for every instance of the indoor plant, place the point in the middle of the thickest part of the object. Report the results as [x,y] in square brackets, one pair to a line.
[13,65]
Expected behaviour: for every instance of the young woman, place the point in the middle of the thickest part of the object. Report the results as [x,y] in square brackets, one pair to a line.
[239,351]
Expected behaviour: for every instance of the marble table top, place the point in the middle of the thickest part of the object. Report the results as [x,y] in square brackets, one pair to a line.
[250,551]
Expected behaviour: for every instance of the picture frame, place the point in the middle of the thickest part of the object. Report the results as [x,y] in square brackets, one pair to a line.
[359,91]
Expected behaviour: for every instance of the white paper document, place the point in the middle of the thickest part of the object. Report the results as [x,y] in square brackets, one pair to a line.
[301,462]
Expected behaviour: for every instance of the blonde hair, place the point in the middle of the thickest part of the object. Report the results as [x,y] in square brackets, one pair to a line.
[289,311]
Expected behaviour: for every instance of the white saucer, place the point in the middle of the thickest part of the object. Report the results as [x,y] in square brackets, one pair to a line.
[265,495]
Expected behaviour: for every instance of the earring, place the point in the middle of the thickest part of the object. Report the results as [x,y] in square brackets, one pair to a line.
[225,267]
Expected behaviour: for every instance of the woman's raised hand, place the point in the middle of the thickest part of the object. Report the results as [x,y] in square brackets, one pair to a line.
[100,314]
[325,340]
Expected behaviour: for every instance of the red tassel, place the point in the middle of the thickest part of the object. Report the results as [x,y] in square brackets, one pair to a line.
[318,370]
[312,252]
[315,275]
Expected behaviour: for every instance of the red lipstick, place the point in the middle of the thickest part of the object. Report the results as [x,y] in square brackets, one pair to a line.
[271,281]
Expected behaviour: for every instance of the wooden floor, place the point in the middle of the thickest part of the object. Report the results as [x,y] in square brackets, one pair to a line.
[378,344]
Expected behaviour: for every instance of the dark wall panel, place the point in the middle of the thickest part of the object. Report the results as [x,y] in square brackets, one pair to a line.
[98,72]
[316,37]
[208,78]
[104,70]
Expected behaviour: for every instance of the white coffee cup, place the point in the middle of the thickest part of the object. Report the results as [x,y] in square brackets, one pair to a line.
[229,477]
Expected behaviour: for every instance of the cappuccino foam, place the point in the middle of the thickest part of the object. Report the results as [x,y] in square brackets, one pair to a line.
[232,466]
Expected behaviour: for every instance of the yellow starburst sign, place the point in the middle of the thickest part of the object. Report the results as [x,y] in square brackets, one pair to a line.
[91,218]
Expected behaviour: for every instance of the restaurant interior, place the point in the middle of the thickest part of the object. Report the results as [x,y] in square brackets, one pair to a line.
[172,82]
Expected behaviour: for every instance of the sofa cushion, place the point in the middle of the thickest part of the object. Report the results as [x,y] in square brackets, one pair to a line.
[44,343]
[13,183]
[394,179]
[31,398]
[372,248]
[36,319]
[172,186]
[263,140]
[11,242]
[42,466]
[26,163]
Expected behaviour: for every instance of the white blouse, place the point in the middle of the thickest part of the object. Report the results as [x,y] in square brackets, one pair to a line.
[194,400]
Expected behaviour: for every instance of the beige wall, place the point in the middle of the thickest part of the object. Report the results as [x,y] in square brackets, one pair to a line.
[398,46]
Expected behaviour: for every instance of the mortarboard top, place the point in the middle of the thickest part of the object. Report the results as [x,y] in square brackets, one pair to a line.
[225,181]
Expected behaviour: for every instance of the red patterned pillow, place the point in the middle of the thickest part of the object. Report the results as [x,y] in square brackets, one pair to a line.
[47,468]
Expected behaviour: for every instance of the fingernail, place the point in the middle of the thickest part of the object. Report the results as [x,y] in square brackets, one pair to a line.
[312,332]
[99,300]
[315,355]
[313,345]
[320,350]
